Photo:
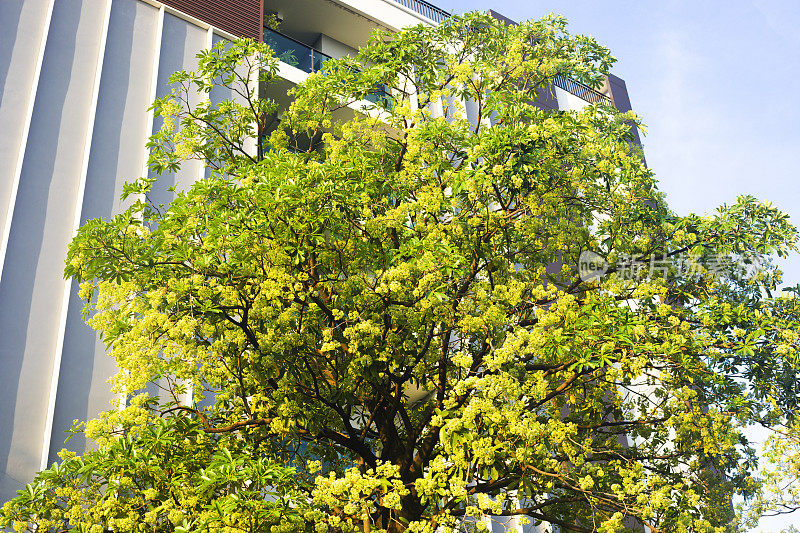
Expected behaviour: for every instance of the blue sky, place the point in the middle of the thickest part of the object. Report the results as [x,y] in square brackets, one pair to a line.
[718,85]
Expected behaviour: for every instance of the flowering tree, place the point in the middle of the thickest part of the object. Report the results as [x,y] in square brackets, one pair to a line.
[391,299]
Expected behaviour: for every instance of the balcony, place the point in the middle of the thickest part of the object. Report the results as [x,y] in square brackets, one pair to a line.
[293,52]
[425,9]
[582,91]
[308,59]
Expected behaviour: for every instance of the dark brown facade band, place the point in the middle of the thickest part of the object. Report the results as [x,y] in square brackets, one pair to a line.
[239,17]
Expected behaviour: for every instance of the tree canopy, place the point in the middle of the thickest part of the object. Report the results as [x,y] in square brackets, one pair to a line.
[378,317]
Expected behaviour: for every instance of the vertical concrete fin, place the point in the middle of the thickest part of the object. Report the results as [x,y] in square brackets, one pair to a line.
[24,139]
[209,44]
[153,83]
[51,406]
[150,119]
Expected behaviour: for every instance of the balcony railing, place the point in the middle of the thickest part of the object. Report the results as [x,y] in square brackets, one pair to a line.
[308,59]
[581,91]
[425,9]
[380,94]
[293,52]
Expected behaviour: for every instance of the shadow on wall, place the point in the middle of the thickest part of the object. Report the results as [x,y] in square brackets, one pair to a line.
[27,241]
[180,43]
[10,12]
[83,361]
[179,47]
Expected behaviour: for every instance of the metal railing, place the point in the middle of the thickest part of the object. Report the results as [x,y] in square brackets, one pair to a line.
[309,59]
[380,94]
[581,91]
[425,9]
[293,52]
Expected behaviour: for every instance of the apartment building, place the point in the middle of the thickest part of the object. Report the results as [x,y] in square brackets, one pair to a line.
[76,79]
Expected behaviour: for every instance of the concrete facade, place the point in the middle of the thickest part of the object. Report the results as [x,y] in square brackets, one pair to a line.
[76,79]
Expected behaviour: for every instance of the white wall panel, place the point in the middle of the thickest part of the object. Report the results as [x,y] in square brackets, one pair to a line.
[41,228]
[117,155]
[22,25]
[71,168]
[569,101]
[217,94]
[76,221]
[180,43]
